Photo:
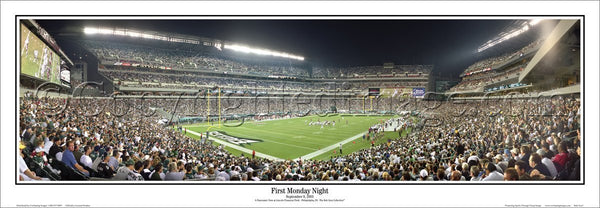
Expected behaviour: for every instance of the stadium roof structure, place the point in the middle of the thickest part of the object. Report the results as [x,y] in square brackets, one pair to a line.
[155,35]
[563,43]
[515,41]
[516,28]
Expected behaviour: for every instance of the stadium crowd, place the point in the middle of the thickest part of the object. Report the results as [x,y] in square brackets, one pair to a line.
[483,73]
[494,61]
[371,71]
[491,142]
[170,57]
[177,58]
[169,80]
[486,78]
[183,80]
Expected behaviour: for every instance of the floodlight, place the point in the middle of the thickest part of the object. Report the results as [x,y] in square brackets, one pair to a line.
[137,34]
[535,22]
[147,36]
[134,34]
[89,30]
[105,31]
[508,35]
[245,49]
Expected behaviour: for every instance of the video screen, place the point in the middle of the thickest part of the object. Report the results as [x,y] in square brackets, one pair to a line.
[37,59]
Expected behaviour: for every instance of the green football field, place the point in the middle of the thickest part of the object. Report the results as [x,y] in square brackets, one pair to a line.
[293,138]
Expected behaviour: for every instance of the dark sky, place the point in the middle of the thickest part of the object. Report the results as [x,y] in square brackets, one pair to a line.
[450,45]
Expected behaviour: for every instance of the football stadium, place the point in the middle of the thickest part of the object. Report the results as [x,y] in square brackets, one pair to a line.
[336,101]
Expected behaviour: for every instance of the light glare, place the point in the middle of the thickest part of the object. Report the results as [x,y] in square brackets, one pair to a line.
[245,49]
[105,31]
[89,30]
[535,22]
[510,35]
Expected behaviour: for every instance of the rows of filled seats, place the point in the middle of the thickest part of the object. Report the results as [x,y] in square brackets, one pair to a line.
[461,148]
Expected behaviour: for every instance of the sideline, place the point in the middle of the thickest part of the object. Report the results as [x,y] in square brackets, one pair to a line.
[245,150]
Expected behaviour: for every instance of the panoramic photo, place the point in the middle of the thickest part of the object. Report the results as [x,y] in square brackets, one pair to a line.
[334,100]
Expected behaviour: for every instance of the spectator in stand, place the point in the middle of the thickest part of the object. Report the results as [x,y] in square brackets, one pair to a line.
[510,174]
[548,163]
[114,160]
[134,175]
[475,173]
[56,147]
[123,171]
[576,172]
[456,176]
[146,171]
[76,152]
[104,170]
[562,157]
[440,175]
[522,171]
[535,162]
[524,156]
[174,173]
[491,174]
[424,176]
[546,148]
[201,175]
[86,160]
[24,173]
[157,174]
[69,159]
[189,172]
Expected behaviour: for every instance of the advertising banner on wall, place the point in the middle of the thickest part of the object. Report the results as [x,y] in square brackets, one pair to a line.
[418,92]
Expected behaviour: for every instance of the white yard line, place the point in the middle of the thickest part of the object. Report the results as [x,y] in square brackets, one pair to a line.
[333,146]
[237,147]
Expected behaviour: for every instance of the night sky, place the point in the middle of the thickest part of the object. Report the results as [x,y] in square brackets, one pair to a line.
[450,45]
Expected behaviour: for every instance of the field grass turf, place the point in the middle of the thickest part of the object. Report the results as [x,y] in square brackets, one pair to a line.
[292,138]
[359,144]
